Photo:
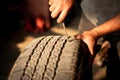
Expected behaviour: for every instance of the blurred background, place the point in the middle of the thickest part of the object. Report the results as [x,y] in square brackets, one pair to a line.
[24,20]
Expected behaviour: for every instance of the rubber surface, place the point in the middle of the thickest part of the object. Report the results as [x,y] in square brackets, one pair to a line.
[52,58]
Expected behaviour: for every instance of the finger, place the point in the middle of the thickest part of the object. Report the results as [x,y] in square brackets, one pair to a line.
[56,12]
[50,2]
[78,36]
[52,7]
[62,16]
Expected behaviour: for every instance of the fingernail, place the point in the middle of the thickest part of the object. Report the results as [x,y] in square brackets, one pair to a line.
[58,21]
[50,9]
[52,15]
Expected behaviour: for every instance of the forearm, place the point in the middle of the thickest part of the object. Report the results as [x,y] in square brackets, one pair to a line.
[111,25]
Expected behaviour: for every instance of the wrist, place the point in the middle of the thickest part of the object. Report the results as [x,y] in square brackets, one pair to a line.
[95,33]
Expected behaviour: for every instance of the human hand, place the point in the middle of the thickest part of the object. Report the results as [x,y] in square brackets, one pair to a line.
[89,38]
[60,8]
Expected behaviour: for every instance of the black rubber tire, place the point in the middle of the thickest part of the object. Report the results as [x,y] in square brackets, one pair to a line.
[53,58]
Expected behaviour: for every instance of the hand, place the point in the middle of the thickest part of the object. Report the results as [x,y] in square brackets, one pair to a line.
[61,8]
[89,38]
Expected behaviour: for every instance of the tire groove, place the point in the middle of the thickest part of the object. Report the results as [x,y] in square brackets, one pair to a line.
[49,57]
[40,56]
[59,58]
[30,58]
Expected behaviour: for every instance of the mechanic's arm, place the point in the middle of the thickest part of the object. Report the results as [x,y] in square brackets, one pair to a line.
[91,36]
[60,8]
[109,26]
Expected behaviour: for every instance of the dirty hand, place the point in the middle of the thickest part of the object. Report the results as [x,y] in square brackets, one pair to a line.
[61,8]
[89,38]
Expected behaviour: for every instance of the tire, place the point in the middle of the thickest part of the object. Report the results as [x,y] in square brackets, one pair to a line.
[53,58]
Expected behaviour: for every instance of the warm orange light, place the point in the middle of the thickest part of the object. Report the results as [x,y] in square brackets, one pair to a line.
[40,23]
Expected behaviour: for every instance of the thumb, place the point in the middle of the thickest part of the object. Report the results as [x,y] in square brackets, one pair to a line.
[90,45]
